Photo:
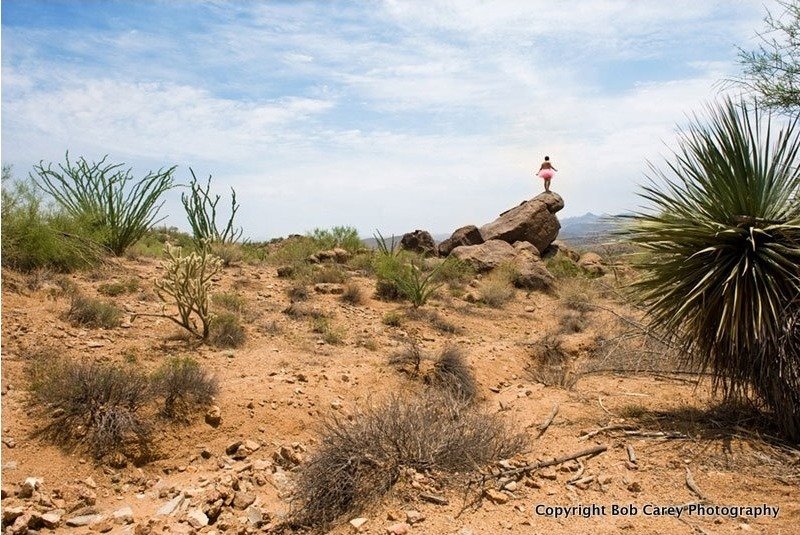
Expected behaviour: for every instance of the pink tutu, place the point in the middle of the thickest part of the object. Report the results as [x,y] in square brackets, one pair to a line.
[547,174]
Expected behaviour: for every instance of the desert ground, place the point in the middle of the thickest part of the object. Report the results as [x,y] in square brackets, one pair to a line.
[661,429]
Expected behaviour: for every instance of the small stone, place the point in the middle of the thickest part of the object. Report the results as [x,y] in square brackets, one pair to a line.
[336,404]
[206,453]
[329,288]
[548,473]
[496,496]
[171,506]
[12,513]
[414,517]
[255,516]
[251,445]
[243,500]
[401,528]
[197,518]
[635,487]
[214,416]
[51,520]
[29,486]
[123,516]
[511,486]
[89,497]
[102,525]
[89,482]
[357,523]
[233,447]
[605,479]
[83,520]
[395,515]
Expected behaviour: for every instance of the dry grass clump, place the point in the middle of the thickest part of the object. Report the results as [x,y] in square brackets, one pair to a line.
[392,318]
[572,321]
[497,288]
[577,294]
[96,404]
[448,373]
[93,312]
[352,294]
[226,331]
[113,289]
[231,302]
[451,373]
[387,290]
[300,311]
[329,274]
[330,334]
[551,364]
[183,384]
[298,292]
[362,457]
[434,319]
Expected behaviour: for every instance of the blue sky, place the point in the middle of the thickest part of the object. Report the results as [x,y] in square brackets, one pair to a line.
[384,115]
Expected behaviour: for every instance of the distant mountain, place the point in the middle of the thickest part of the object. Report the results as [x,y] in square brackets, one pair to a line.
[587,228]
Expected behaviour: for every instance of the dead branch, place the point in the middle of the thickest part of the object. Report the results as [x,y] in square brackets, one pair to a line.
[613,427]
[544,425]
[693,486]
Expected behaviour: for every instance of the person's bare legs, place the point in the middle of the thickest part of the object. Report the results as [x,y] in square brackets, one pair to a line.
[547,184]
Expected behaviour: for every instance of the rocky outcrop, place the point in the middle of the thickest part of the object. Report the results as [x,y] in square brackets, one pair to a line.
[533,221]
[469,235]
[419,241]
[485,256]
[592,263]
[531,273]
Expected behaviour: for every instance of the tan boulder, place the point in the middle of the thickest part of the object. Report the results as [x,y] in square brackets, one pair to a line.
[533,221]
[486,256]
[469,235]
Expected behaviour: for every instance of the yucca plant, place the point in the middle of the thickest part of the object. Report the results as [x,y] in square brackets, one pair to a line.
[417,285]
[723,232]
[101,197]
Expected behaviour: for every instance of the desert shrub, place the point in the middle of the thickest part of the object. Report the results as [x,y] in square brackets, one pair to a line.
[96,404]
[183,383]
[93,312]
[113,289]
[101,196]
[451,373]
[330,334]
[408,359]
[416,285]
[497,288]
[563,267]
[298,292]
[550,364]
[724,265]
[352,294]
[37,238]
[387,290]
[155,239]
[202,213]
[229,253]
[392,318]
[572,321]
[299,311]
[361,458]
[225,330]
[187,283]
[434,319]
[231,302]
[293,250]
[363,262]
[454,271]
[344,237]
[577,294]
[329,274]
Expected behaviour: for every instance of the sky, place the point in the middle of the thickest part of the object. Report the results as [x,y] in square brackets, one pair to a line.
[382,115]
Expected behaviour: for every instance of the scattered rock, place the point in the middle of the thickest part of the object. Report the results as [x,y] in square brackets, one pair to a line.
[52,519]
[83,520]
[242,500]
[30,485]
[284,272]
[233,447]
[414,517]
[255,516]
[196,518]
[634,487]
[10,514]
[592,263]
[419,241]
[469,235]
[171,506]
[337,254]
[533,221]
[495,496]
[214,416]
[358,523]
[329,288]
[123,516]
[401,528]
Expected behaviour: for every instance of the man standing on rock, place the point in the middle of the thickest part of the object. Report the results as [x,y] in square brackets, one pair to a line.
[547,172]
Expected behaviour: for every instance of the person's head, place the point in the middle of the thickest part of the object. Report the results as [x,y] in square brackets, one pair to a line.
[547,158]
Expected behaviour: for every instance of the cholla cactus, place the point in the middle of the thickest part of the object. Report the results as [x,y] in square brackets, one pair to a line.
[187,282]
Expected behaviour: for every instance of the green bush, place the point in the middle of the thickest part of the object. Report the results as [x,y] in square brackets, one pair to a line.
[154,240]
[344,237]
[93,312]
[100,196]
[723,233]
[202,214]
[36,238]
[563,267]
[231,302]
[226,331]
[113,289]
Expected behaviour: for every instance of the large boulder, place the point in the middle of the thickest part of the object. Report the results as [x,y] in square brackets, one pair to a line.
[533,221]
[592,263]
[419,241]
[485,256]
[469,235]
[531,273]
